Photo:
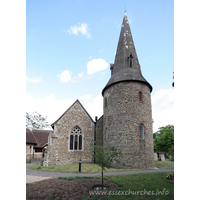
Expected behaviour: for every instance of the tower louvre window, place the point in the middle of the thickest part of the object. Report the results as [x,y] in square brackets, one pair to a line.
[142,131]
[76,139]
[130,58]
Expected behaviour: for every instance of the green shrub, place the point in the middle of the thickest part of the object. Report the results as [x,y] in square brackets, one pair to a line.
[170,176]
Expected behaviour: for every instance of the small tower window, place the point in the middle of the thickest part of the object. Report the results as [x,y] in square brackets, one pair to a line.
[106,134]
[142,131]
[140,96]
[76,139]
[105,101]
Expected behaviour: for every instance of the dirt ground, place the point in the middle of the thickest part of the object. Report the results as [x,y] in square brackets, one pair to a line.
[55,188]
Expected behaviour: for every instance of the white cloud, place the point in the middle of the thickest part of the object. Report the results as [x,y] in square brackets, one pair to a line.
[163,108]
[80,75]
[65,76]
[34,79]
[82,28]
[96,65]
[53,108]
[167,94]
[86,97]
[95,106]
[48,106]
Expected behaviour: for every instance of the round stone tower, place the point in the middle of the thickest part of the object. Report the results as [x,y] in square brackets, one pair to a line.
[127,120]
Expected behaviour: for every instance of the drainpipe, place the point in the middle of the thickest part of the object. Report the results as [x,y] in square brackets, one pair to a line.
[95,123]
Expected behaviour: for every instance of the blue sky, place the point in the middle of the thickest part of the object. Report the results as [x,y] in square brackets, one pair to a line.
[70,45]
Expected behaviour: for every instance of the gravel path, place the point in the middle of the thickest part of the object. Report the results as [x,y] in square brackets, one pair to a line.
[31,179]
[33,176]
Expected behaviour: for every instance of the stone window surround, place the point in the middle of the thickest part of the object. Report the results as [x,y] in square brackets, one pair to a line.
[82,134]
[139,130]
[139,96]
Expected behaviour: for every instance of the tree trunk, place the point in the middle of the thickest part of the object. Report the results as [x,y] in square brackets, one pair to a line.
[102,177]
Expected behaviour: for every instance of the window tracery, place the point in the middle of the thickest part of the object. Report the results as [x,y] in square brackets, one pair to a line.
[76,139]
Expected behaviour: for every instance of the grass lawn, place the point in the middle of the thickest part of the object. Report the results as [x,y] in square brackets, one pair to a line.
[93,168]
[73,168]
[155,182]
[164,164]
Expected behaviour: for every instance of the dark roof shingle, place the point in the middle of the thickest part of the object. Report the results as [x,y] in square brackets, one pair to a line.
[29,137]
[126,66]
[38,137]
[41,137]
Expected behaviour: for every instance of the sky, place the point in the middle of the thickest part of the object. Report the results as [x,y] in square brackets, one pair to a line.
[71,44]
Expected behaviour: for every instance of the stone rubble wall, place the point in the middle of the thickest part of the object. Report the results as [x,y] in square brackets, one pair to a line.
[122,117]
[99,132]
[59,141]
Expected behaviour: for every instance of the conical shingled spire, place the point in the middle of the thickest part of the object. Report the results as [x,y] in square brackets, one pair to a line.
[126,66]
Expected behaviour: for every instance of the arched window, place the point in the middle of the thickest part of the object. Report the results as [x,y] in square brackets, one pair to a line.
[76,139]
[105,101]
[140,96]
[142,131]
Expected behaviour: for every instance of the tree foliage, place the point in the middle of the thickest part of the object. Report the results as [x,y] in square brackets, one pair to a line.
[164,139]
[38,121]
[105,157]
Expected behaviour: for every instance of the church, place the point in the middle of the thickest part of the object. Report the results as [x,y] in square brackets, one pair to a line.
[126,122]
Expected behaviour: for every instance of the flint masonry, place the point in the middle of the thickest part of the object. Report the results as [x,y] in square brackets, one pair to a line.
[126,121]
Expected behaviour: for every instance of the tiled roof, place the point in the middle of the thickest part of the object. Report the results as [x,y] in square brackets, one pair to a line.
[29,137]
[41,137]
[38,137]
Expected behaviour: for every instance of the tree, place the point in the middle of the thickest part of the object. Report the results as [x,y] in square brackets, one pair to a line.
[38,121]
[164,139]
[105,157]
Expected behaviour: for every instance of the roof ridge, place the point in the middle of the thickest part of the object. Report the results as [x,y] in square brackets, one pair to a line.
[69,109]
[34,136]
[85,110]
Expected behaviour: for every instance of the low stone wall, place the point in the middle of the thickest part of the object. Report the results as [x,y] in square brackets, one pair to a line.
[38,155]
[31,158]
